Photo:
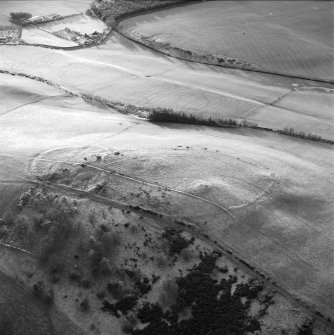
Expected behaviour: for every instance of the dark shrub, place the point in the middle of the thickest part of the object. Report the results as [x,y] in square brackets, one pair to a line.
[20,16]
[75,275]
[306,329]
[84,305]
[116,289]
[86,283]
[126,303]
[101,294]
[176,241]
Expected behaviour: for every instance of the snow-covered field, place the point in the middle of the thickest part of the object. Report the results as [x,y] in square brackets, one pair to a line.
[268,197]
[83,24]
[121,70]
[292,37]
[44,7]
[44,33]
[253,186]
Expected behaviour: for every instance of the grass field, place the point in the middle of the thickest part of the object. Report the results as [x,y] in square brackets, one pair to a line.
[293,38]
[44,7]
[83,24]
[4,20]
[38,36]
[45,33]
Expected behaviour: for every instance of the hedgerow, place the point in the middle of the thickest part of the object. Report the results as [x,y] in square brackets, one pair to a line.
[168,115]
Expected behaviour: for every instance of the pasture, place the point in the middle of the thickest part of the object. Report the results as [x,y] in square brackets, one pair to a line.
[292,38]
[66,32]
[44,7]
[82,24]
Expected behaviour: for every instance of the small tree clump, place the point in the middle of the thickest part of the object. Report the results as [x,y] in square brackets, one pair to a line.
[306,329]
[20,15]
[84,305]
[176,241]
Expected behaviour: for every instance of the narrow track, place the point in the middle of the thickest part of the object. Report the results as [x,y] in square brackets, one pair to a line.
[26,104]
[140,181]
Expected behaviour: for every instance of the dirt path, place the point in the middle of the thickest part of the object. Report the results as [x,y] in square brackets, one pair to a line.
[28,103]
[140,181]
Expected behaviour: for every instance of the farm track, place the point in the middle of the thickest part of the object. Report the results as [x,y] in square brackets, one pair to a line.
[17,248]
[29,103]
[179,83]
[263,193]
[140,181]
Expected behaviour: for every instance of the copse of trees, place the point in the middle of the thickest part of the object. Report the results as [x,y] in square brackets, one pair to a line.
[20,16]
[57,225]
[176,241]
[215,309]
[49,222]
[168,115]
[303,135]
[103,245]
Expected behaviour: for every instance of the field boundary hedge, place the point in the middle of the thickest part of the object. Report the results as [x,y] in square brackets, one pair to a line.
[166,115]
[153,114]
[192,56]
[208,59]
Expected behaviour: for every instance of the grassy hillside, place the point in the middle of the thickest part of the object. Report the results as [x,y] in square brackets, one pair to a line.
[119,268]
[105,188]
[21,312]
[293,38]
